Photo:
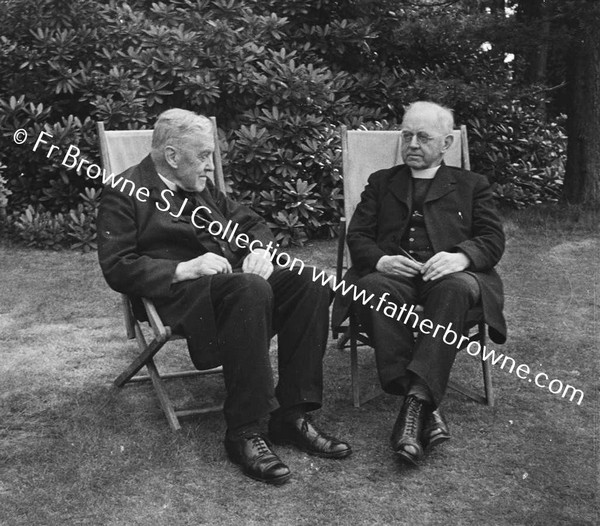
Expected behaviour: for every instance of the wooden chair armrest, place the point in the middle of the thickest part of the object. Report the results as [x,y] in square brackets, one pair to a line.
[161,333]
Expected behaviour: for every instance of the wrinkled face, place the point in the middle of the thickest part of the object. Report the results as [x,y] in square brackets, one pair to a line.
[424,143]
[192,161]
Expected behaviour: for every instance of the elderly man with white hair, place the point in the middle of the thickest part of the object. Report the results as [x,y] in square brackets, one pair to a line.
[227,298]
[423,233]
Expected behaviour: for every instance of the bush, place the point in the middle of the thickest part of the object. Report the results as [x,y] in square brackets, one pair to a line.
[4,191]
[39,228]
[279,75]
[523,155]
[285,156]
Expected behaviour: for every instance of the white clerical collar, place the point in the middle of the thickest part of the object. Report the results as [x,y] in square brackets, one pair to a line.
[169,184]
[427,173]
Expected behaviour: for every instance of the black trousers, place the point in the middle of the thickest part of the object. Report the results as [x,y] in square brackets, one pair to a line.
[249,310]
[398,355]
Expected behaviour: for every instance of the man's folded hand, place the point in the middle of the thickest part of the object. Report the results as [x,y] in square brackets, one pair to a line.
[204,265]
[399,265]
[444,263]
[257,262]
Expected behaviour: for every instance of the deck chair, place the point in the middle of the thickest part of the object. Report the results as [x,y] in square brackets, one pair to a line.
[120,150]
[364,152]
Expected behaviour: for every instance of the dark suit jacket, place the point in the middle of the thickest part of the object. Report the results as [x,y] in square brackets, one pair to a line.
[139,247]
[459,216]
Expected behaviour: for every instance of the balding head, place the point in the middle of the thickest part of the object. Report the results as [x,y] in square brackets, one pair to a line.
[441,116]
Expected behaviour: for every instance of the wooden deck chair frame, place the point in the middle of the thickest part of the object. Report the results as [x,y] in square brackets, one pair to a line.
[385,152]
[121,149]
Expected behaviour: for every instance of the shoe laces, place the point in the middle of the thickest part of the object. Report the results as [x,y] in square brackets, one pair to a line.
[412,415]
[306,421]
[260,443]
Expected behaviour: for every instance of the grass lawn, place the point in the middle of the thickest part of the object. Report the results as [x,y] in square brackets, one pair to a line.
[75,450]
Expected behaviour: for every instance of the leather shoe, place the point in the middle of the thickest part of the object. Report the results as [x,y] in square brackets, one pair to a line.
[435,430]
[303,434]
[408,428]
[253,453]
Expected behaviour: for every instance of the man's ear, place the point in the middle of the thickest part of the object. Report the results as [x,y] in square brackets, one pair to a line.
[171,156]
[448,140]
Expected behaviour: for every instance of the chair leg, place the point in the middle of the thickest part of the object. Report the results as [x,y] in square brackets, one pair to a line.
[343,338]
[488,399]
[487,370]
[163,397]
[487,380]
[146,358]
[354,364]
[148,352]
[353,334]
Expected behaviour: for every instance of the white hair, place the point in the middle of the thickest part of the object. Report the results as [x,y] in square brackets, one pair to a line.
[445,117]
[175,124]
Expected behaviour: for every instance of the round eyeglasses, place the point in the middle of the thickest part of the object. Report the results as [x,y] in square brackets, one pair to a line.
[422,137]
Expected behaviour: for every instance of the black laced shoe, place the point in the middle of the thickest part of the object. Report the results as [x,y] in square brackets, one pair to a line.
[408,428]
[253,453]
[435,429]
[302,433]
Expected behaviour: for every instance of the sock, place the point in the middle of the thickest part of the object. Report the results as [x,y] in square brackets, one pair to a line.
[419,389]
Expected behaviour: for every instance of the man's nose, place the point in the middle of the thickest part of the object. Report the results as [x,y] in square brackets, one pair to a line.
[414,143]
[210,164]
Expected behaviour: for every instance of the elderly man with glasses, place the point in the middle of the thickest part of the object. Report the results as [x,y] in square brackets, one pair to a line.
[424,233]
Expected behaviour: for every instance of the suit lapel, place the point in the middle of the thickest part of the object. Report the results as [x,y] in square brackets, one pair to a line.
[442,184]
[156,186]
[401,185]
[153,182]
